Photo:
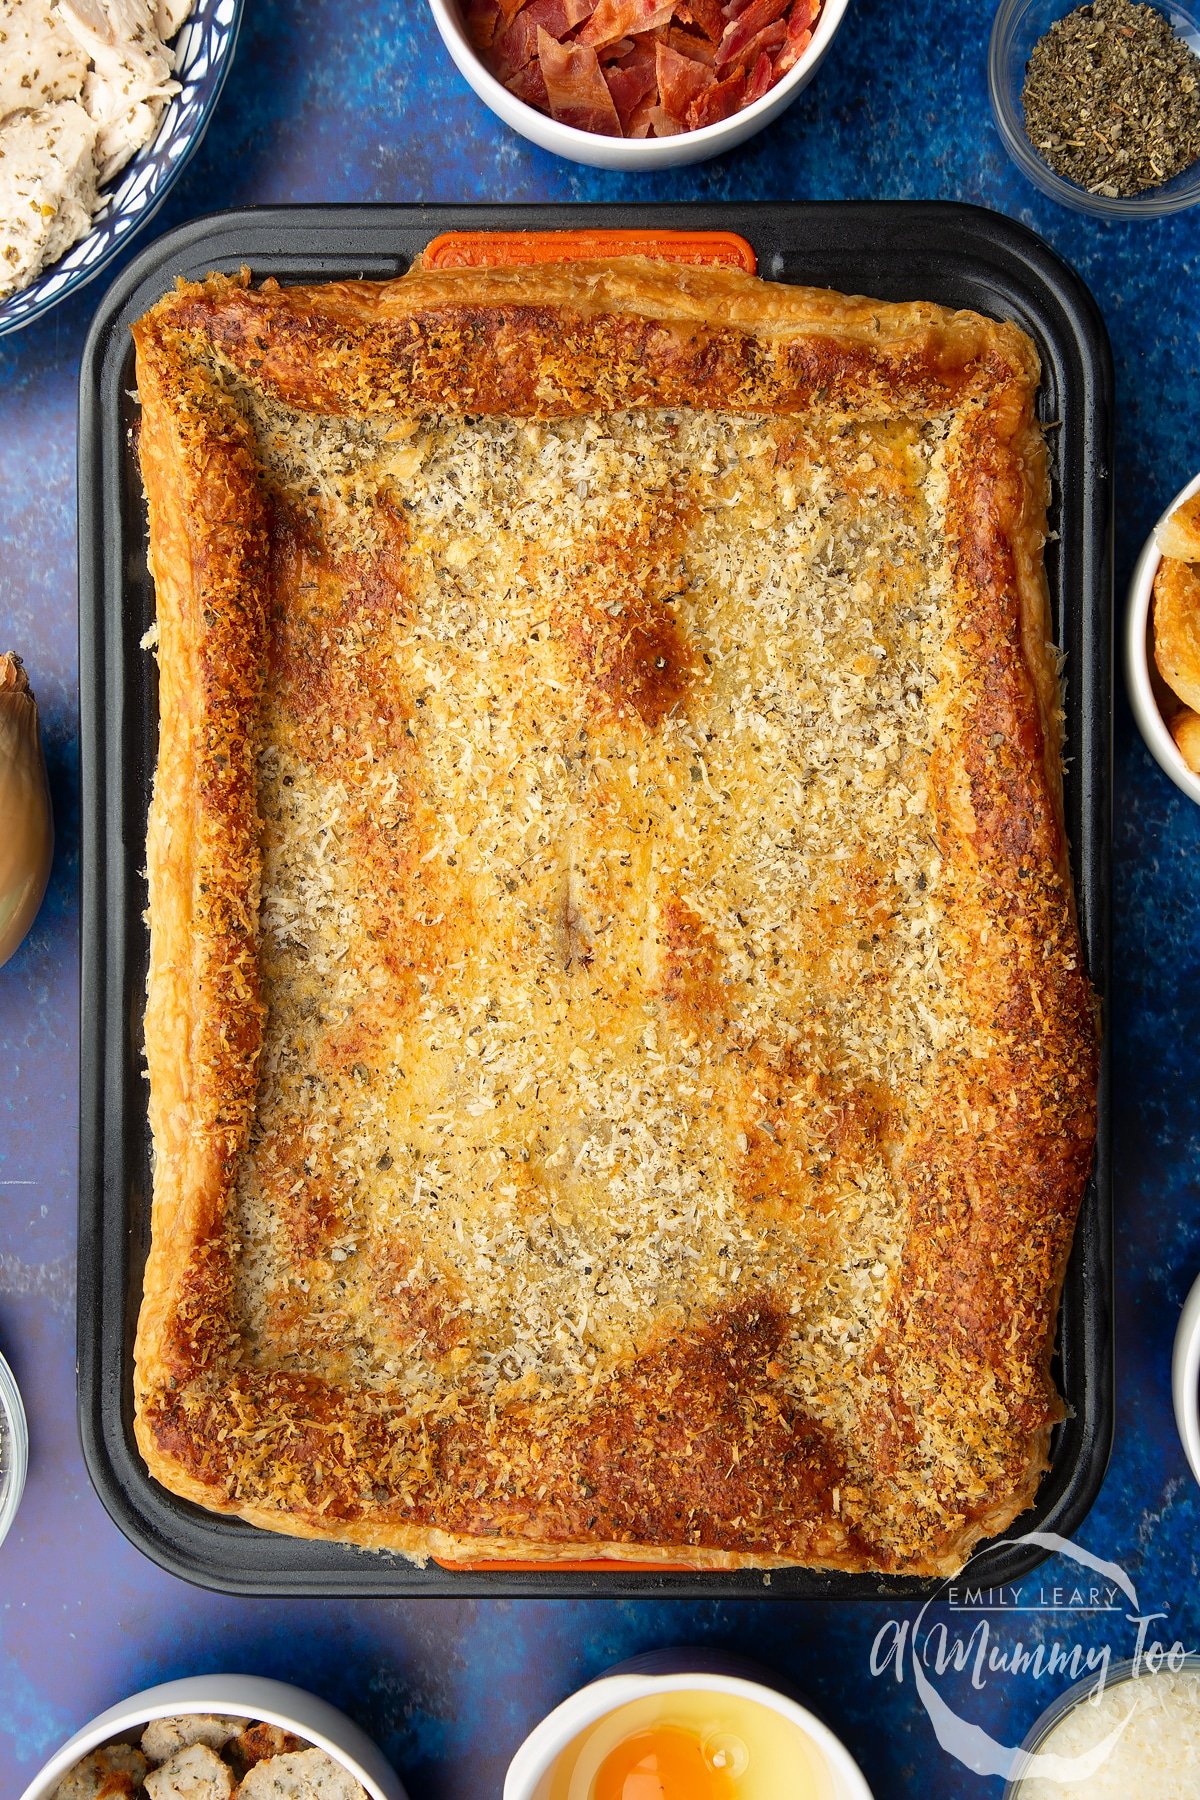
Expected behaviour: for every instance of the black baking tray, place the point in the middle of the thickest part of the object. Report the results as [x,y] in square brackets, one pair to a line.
[957,255]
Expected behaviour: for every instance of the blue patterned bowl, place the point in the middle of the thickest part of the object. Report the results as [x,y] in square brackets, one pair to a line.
[204,51]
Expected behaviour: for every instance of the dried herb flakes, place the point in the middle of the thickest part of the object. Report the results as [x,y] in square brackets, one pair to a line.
[1112,99]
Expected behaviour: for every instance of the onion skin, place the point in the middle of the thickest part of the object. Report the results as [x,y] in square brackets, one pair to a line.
[26,820]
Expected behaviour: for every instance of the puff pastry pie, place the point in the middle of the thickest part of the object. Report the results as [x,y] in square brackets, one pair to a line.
[622,1067]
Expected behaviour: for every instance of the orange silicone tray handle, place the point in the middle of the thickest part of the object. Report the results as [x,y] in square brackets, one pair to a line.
[498,249]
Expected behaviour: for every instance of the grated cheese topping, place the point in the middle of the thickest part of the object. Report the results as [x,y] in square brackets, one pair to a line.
[601,920]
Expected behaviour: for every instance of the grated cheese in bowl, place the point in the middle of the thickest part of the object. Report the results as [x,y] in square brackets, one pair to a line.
[1154,1722]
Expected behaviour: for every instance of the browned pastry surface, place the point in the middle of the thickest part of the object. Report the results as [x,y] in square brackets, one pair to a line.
[622,1070]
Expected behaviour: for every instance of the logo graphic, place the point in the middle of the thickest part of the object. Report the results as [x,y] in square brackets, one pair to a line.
[925,1651]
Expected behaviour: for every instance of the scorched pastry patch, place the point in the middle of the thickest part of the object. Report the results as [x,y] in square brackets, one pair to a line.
[622,1071]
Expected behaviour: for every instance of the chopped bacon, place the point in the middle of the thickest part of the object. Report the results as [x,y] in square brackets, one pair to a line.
[517,43]
[576,87]
[515,46]
[680,82]
[718,102]
[481,21]
[575,12]
[741,32]
[790,55]
[801,20]
[662,124]
[632,83]
[705,15]
[770,39]
[761,78]
[641,123]
[640,68]
[688,44]
[613,19]
[529,85]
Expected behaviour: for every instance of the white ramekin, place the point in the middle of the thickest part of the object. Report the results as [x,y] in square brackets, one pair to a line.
[531,1766]
[14,1438]
[633,153]
[1185,1378]
[1140,674]
[239,1696]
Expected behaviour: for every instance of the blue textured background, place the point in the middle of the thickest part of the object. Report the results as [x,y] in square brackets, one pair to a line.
[329,101]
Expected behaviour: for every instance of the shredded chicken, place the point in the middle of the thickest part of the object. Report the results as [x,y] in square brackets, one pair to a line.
[83,84]
[47,188]
[40,62]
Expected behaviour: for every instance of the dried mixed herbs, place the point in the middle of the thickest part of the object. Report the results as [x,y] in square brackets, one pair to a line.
[1112,98]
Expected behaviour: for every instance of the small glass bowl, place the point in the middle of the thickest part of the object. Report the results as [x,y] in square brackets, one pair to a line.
[1018,26]
[1118,1674]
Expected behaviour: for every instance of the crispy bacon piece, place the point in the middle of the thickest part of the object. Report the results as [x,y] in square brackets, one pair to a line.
[529,85]
[662,124]
[640,122]
[613,19]
[705,15]
[575,85]
[515,45]
[519,42]
[576,10]
[633,83]
[482,18]
[790,55]
[680,82]
[688,44]
[741,31]
[718,101]
[769,40]
[801,20]
[760,80]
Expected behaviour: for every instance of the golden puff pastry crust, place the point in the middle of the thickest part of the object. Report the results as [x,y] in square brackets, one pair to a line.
[622,1066]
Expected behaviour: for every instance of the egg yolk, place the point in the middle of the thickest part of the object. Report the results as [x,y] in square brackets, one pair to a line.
[662,1763]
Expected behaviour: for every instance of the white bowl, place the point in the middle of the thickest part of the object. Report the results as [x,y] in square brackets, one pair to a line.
[240,1696]
[14,1448]
[1185,1379]
[633,153]
[1140,673]
[534,1761]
